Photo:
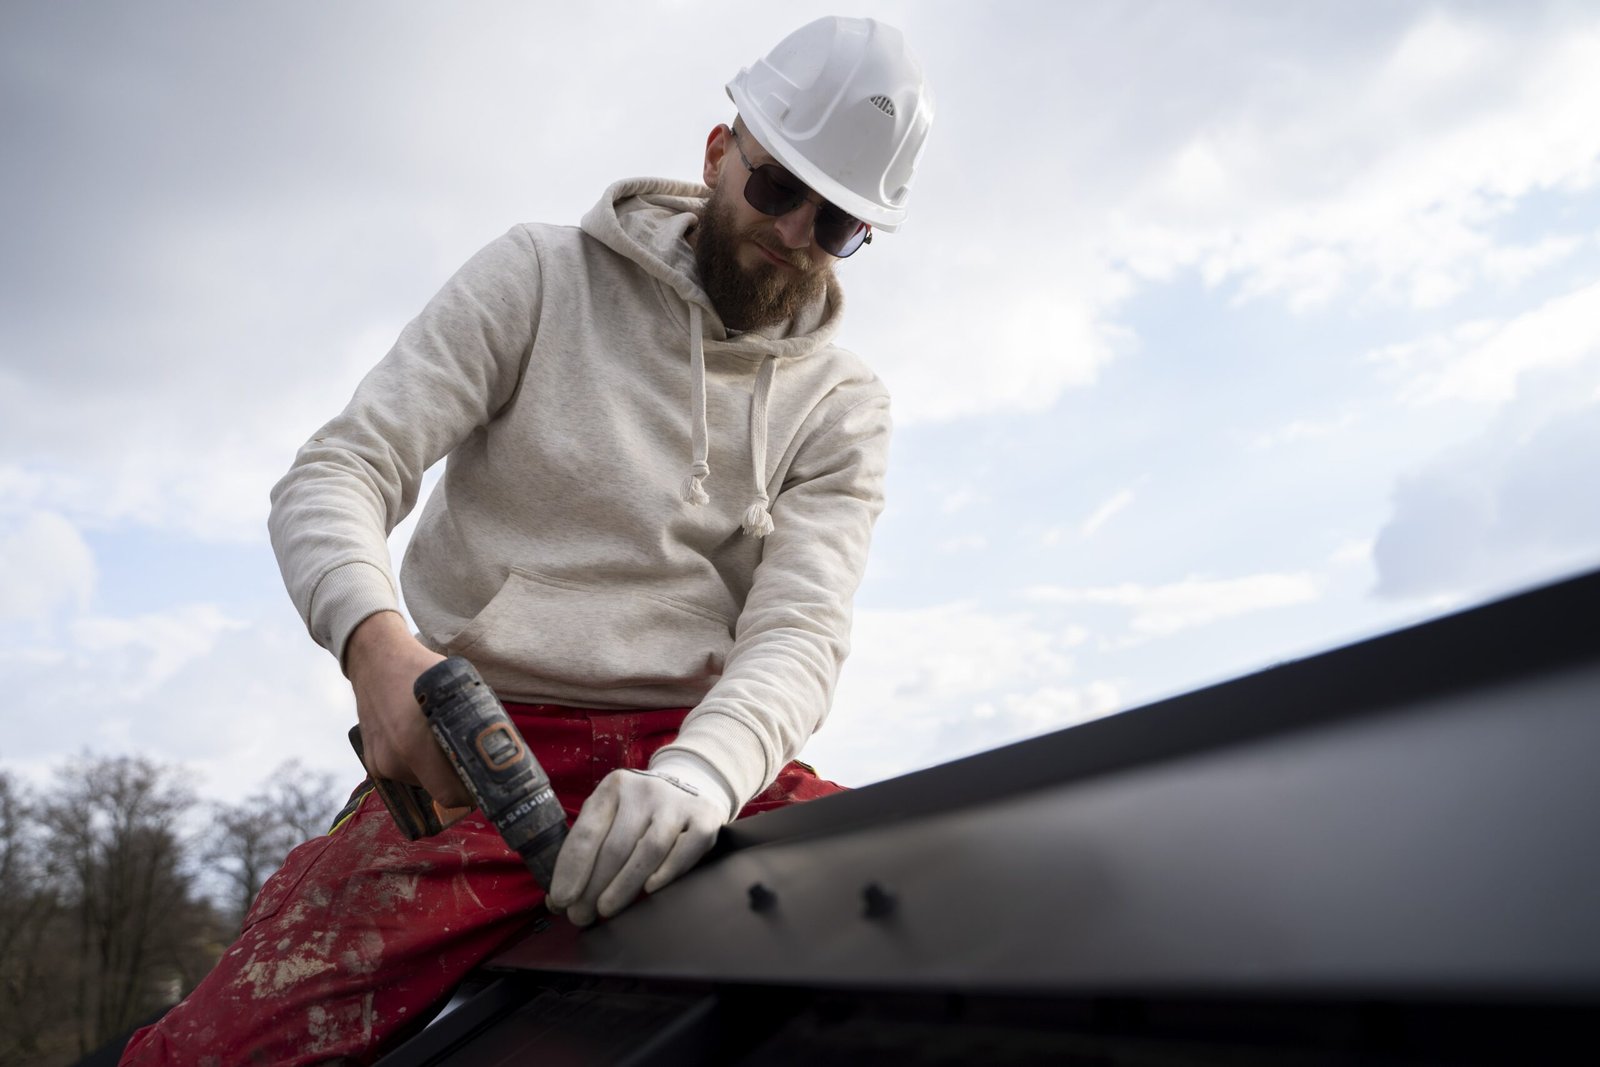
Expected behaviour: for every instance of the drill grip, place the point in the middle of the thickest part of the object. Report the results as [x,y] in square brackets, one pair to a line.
[494,762]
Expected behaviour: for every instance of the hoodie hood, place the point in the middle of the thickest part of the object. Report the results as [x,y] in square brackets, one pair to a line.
[648,220]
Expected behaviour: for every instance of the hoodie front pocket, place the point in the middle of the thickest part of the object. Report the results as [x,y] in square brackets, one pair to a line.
[604,637]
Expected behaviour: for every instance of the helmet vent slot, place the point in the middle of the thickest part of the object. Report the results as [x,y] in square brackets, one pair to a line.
[883,104]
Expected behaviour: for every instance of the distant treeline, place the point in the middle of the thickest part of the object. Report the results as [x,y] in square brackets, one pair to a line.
[119,891]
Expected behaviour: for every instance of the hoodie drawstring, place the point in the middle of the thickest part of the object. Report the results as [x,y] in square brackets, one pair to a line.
[757,517]
[694,491]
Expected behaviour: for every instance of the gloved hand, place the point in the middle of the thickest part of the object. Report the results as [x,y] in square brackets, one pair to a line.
[638,829]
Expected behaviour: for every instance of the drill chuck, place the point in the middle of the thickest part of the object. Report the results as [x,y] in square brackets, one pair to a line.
[510,787]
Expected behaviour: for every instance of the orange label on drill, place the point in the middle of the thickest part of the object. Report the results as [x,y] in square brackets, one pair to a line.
[499,746]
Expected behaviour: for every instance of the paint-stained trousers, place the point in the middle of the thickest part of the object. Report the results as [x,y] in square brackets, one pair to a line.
[362,934]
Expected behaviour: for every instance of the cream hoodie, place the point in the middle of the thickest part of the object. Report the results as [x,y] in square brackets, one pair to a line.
[600,536]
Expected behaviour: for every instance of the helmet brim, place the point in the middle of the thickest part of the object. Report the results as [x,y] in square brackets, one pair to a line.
[825,186]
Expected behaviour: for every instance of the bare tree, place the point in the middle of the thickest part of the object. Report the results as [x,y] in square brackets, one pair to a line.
[309,799]
[251,839]
[245,846]
[32,1006]
[115,849]
[101,921]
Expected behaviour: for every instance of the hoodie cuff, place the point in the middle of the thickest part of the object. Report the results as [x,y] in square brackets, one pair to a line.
[345,598]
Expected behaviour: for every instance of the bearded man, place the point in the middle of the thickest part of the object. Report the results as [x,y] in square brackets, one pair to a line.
[661,484]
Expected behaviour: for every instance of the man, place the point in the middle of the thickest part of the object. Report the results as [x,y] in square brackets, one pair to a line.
[661,483]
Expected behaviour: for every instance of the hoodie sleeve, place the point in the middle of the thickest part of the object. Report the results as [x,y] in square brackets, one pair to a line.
[453,367]
[794,632]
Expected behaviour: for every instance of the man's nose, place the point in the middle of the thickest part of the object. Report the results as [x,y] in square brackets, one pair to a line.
[795,227]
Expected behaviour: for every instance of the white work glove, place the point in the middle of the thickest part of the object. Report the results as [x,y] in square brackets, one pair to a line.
[638,830]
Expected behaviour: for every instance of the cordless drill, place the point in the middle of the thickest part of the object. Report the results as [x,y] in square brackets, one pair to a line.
[493,762]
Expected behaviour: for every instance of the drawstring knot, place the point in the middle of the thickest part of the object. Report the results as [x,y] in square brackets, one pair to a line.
[757,520]
[694,489]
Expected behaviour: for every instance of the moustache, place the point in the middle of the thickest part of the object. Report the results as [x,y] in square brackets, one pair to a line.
[800,261]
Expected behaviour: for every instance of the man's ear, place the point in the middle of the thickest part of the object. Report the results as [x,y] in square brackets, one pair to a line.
[717,142]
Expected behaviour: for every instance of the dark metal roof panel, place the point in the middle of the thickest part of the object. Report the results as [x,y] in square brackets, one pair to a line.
[1412,813]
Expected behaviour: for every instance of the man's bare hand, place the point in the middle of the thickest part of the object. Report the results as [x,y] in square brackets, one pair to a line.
[383,661]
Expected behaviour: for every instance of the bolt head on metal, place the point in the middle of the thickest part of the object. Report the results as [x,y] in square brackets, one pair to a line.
[762,898]
[879,901]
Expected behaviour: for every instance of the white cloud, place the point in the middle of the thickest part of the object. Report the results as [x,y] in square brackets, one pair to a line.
[46,565]
[1510,264]
[926,685]
[1162,610]
[228,699]
[955,651]
[194,455]
[963,543]
[959,500]
[1381,172]
[1482,362]
[1050,708]
[1358,550]
[1515,504]
[218,342]
[1305,430]
[1407,361]
[1437,52]
[136,656]
[1103,514]
[1384,178]
[1018,347]
[18,487]
[1509,502]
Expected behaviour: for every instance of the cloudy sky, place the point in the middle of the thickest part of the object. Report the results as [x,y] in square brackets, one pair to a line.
[1220,334]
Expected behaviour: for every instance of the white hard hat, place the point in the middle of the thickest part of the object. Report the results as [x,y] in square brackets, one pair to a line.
[842,103]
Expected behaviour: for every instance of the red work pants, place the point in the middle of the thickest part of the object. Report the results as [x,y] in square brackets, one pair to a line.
[362,933]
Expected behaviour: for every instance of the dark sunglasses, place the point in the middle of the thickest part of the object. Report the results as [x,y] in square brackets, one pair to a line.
[772,190]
